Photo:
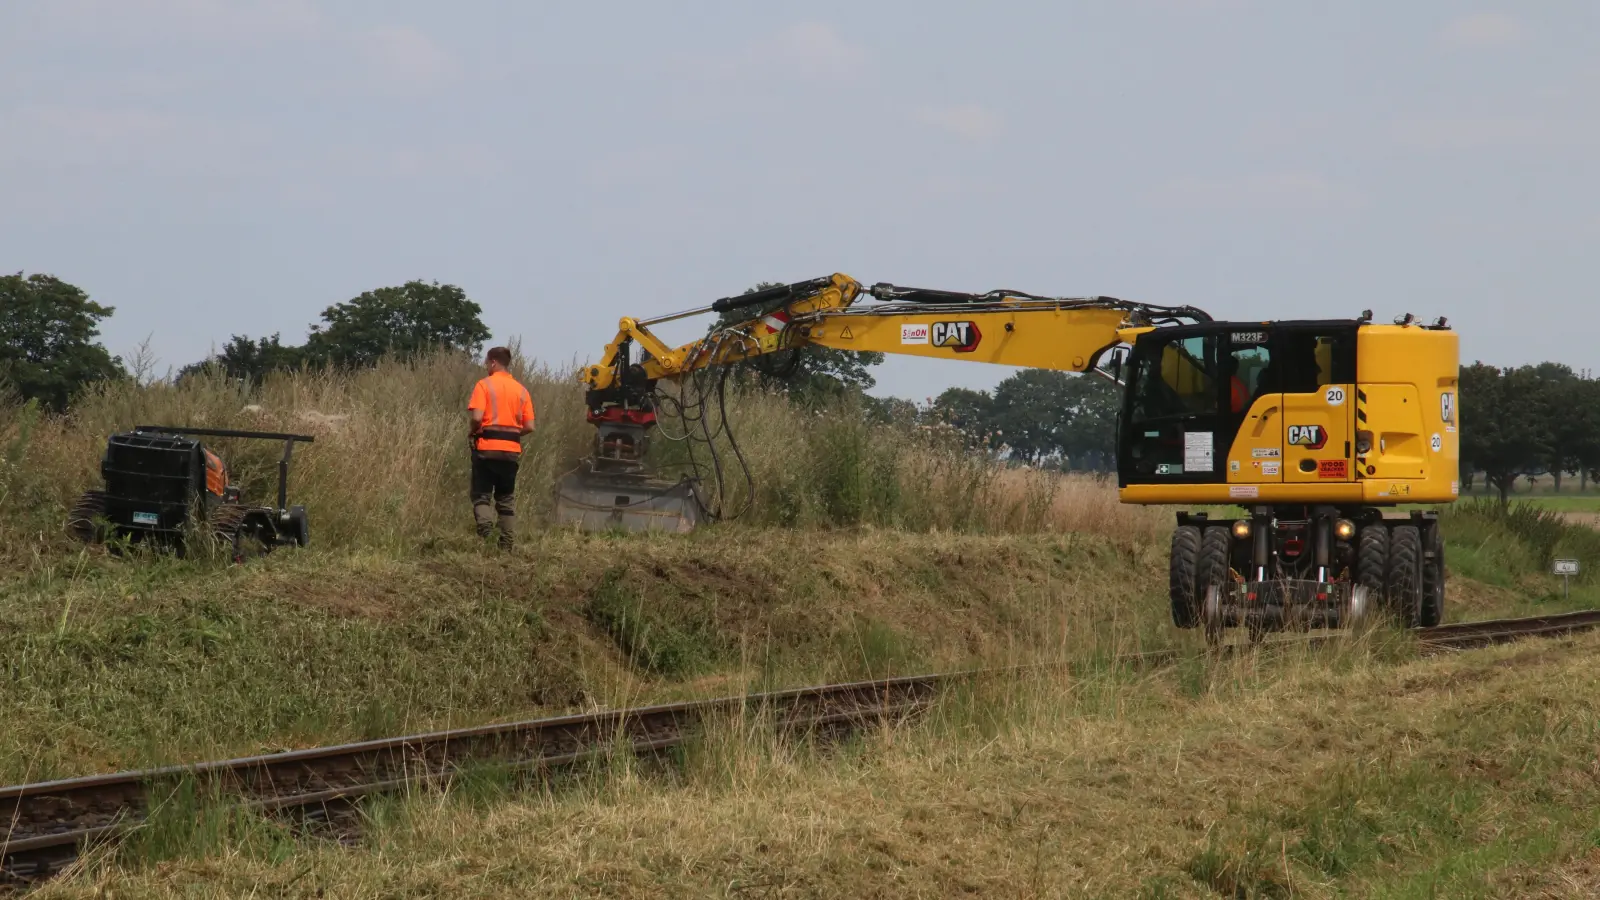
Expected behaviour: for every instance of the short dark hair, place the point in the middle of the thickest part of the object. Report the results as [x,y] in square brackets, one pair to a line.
[500,355]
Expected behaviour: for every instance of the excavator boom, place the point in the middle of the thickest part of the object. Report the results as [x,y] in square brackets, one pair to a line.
[1007,327]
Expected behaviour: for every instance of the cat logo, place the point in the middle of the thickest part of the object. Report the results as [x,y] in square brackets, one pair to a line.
[962,337]
[1311,437]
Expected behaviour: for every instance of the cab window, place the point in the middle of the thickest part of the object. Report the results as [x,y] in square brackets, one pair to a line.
[1175,379]
[1312,360]
[1247,368]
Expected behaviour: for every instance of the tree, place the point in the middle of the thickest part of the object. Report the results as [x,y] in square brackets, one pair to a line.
[966,409]
[249,360]
[407,320]
[809,373]
[1571,409]
[970,412]
[891,410]
[48,349]
[1029,415]
[1505,423]
[1039,414]
[1089,440]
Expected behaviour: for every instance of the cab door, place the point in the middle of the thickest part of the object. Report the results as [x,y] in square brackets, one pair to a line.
[1319,386]
[1255,426]
[1172,410]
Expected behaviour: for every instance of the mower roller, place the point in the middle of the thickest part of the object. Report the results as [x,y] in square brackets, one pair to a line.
[164,488]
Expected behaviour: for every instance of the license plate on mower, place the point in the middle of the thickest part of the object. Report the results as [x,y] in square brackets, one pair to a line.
[144,518]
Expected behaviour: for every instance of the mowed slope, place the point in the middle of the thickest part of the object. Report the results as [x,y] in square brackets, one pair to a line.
[113,664]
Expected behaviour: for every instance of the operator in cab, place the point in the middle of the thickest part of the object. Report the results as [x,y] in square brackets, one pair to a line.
[502,412]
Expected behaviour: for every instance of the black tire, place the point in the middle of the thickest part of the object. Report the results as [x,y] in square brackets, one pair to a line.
[1212,569]
[299,526]
[1372,564]
[238,530]
[1404,584]
[1181,574]
[83,522]
[1433,581]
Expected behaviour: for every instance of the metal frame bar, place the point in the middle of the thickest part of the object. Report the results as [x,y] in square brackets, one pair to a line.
[289,441]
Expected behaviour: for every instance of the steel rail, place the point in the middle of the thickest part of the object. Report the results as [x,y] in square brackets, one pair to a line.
[45,826]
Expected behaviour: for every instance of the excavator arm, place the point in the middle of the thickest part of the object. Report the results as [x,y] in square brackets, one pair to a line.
[1005,327]
[836,311]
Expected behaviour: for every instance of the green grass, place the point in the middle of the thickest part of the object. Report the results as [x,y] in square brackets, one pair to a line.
[120,663]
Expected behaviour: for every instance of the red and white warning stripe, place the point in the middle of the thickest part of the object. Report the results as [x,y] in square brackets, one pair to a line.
[775,322]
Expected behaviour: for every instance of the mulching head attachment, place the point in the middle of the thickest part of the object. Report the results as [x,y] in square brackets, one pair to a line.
[605,501]
[613,491]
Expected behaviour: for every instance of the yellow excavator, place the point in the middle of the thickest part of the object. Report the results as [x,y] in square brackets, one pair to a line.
[1320,429]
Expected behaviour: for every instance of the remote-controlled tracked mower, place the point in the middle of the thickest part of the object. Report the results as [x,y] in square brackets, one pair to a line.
[164,488]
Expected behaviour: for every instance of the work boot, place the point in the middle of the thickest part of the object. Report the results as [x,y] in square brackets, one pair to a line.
[506,508]
[483,516]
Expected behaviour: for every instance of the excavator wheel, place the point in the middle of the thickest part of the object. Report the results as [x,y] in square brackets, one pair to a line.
[1405,581]
[1372,565]
[1433,581]
[1214,577]
[1181,576]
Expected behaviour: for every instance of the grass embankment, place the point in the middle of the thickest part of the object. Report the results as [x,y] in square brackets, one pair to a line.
[110,664]
[397,618]
[1331,774]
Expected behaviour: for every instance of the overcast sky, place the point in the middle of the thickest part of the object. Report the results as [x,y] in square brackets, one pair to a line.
[211,167]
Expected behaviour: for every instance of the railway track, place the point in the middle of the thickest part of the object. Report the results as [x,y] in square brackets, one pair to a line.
[46,826]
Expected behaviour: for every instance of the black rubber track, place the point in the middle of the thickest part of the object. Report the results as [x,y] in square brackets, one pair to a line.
[1181,574]
[1405,574]
[81,521]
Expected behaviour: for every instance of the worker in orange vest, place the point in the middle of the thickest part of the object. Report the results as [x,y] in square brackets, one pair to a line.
[502,412]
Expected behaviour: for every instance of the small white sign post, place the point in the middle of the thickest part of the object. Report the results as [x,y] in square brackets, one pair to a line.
[1566,568]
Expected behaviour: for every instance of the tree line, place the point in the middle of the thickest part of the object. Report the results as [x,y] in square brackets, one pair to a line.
[1528,421]
[49,330]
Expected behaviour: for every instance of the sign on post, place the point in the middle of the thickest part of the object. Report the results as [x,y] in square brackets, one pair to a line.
[1566,568]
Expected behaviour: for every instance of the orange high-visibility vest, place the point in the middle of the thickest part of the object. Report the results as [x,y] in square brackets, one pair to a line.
[506,408]
[1241,394]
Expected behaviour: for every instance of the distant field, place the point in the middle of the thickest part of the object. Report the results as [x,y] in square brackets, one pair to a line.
[1569,498]
[1564,502]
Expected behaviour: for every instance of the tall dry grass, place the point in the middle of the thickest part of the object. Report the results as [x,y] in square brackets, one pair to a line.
[390,464]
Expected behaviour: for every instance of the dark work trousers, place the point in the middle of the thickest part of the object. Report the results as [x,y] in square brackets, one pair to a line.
[494,490]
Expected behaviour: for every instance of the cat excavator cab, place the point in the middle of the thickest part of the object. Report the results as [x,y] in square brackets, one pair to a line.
[1318,429]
